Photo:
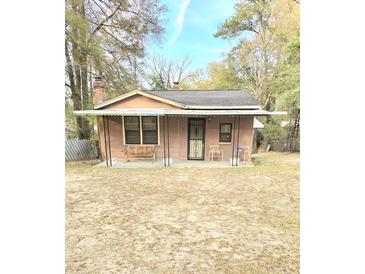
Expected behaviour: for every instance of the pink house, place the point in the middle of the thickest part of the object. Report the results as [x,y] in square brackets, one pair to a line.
[182,125]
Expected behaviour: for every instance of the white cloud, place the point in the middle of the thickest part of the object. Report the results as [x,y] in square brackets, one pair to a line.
[180,20]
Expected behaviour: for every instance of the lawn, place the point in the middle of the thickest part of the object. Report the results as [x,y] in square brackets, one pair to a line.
[166,220]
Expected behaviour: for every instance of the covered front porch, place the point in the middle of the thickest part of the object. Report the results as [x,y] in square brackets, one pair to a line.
[183,138]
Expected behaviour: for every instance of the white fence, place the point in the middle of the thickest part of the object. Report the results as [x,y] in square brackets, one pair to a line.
[76,149]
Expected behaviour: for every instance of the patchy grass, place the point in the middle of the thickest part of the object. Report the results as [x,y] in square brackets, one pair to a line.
[257,161]
[234,220]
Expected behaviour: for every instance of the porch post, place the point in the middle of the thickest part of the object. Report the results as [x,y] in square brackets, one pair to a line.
[168,141]
[164,140]
[238,137]
[233,138]
[106,147]
[110,151]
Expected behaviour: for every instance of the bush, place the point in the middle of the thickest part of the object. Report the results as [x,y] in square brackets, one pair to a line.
[278,136]
[259,138]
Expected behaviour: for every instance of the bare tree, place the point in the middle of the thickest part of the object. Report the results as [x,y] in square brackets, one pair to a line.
[163,72]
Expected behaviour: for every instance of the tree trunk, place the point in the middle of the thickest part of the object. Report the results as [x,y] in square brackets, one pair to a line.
[79,87]
[288,138]
[294,132]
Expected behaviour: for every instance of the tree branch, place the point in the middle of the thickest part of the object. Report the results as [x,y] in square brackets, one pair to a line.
[105,20]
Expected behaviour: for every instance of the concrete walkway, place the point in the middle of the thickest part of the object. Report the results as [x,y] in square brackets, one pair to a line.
[175,164]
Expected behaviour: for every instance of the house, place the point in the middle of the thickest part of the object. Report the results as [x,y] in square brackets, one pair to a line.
[183,125]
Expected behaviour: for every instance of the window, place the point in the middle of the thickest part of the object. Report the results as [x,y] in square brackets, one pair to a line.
[141,130]
[149,130]
[225,131]
[132,130]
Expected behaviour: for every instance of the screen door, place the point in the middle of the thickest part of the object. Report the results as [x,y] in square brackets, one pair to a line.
[196,135]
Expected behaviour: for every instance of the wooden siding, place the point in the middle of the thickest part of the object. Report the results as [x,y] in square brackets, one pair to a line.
[138,101]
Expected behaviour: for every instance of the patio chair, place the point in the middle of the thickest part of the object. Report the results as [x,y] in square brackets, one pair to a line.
[214,151]
[246,153]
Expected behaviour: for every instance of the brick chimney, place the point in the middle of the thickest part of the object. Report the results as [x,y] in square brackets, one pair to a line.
[98,90]
[175,86]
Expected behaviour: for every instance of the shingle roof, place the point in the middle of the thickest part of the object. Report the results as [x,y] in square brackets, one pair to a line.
[208,98]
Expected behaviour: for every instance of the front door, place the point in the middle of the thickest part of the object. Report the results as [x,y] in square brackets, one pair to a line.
[196,138]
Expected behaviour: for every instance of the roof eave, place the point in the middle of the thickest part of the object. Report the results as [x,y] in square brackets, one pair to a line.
[177,112]
[223,107]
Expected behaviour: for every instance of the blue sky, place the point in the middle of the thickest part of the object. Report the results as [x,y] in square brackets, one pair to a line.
[190,28]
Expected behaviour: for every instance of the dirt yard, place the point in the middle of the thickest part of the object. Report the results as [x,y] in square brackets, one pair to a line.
[166,220]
